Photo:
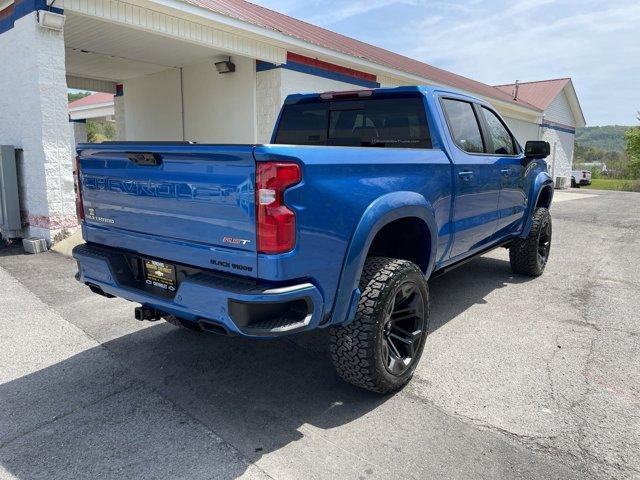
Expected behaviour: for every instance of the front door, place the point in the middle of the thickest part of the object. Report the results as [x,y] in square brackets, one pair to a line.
[513,198]
[477,179]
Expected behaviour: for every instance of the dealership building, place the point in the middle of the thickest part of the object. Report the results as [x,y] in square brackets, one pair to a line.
[203,71]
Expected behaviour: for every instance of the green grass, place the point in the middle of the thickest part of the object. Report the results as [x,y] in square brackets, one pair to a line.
[615,184]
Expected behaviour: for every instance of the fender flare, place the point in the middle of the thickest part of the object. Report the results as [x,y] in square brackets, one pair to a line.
[542,180]
[382,211]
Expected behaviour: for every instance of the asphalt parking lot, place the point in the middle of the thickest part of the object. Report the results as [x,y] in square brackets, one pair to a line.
[520,378]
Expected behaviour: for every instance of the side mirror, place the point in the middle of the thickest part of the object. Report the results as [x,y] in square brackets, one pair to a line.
[535,149]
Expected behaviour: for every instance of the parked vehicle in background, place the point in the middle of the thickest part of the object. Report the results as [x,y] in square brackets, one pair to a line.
[361,197]
[580,177]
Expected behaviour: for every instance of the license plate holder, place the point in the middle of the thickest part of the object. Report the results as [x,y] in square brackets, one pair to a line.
[160,275]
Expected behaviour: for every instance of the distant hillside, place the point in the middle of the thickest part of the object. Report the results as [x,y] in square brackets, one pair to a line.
[608,138]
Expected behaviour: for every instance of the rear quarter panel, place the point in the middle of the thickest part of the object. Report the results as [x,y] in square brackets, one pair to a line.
[339,184]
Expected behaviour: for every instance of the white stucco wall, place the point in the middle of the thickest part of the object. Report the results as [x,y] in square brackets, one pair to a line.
[220,108]
[268,102]
[152,107]
[35,118]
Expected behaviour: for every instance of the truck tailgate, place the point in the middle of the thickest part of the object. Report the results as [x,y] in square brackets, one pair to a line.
[174,201]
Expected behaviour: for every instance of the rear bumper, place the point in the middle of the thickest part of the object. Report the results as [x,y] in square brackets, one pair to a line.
[242,307]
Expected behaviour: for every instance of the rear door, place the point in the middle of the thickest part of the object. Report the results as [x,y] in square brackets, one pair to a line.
[476,177]
[504,150]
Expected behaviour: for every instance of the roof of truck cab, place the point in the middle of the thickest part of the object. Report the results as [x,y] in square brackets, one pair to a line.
[419,89]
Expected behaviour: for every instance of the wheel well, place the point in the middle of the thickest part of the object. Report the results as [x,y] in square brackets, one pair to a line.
[406,238]
[544,199]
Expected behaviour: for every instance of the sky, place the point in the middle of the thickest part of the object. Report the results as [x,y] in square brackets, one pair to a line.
[596,43]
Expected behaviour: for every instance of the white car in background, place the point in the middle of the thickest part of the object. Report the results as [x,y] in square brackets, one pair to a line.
[580,177]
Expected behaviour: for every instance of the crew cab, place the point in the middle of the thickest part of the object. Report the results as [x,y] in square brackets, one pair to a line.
[337,224]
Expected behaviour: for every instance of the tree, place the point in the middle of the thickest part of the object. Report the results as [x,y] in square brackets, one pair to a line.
[632,147]
[77,95]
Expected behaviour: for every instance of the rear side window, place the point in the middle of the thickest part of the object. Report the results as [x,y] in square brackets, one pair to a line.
[463,125]
[501,139]
[372,122]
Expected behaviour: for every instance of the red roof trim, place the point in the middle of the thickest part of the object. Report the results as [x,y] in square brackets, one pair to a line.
[533,81]
[313,62]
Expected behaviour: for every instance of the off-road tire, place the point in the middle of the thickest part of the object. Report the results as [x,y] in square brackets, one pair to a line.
[356,349]
[524,252]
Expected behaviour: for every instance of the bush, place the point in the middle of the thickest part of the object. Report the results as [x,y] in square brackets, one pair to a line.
[99,132]
[632,147]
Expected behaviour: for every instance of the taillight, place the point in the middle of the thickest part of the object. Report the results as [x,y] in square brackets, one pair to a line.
[276,224]
[78,187]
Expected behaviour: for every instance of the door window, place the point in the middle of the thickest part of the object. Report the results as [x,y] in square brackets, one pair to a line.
[463,125]
[501,139]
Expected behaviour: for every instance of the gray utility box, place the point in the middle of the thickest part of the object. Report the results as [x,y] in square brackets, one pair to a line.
[10,222]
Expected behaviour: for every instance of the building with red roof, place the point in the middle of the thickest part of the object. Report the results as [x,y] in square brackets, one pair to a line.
[561,115]
[98,106]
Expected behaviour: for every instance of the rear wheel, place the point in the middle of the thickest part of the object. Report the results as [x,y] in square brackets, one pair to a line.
[380,349]
[529,256]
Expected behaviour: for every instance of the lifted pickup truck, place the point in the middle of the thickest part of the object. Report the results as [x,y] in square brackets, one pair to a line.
[338,223]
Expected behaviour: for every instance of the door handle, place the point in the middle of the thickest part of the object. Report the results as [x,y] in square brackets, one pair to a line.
[465,175]
[506,172]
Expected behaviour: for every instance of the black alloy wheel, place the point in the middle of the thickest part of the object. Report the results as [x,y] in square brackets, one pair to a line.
[404,325]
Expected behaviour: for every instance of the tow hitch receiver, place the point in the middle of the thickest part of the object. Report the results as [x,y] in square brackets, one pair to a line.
[147,313]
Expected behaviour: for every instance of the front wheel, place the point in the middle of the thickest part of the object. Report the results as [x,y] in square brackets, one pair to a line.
[380,349]
[529,256]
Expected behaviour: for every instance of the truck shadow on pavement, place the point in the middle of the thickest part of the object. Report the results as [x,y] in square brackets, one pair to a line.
[144,405]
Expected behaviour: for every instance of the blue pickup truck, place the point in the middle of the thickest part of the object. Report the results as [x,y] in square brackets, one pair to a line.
[359,199]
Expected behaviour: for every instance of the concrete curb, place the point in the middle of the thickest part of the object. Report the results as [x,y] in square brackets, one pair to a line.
[66,246]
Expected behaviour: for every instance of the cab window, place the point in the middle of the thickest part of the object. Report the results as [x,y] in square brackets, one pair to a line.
[501,140]
[398,122]
[463,125]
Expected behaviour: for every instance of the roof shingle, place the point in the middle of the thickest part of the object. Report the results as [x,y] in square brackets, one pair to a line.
[539,94]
